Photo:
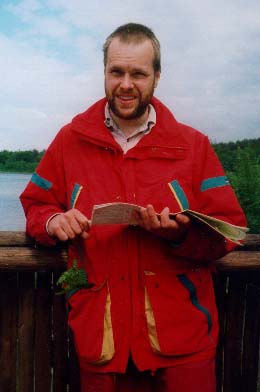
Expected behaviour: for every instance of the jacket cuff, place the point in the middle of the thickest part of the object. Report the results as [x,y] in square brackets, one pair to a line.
[202,244]
[48,221]
[36,225]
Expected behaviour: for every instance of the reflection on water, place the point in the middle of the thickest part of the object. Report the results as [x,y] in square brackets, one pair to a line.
[11,212]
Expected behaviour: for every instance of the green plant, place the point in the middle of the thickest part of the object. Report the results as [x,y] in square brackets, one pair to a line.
[72,278]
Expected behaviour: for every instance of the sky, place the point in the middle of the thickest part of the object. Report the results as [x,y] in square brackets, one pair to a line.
[51,63]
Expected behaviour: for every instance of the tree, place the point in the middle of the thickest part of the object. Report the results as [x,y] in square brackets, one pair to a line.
[246,181]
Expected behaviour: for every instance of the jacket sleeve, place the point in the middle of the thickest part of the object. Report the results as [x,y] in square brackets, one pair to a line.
[45,194]
[215,197]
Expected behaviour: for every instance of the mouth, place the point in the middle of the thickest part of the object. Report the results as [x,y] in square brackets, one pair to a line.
[126,101]
[126,98]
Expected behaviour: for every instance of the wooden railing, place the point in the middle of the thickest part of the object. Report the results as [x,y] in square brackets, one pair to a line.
[36,353]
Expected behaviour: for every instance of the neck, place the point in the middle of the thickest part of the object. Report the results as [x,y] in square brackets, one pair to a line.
[129,126]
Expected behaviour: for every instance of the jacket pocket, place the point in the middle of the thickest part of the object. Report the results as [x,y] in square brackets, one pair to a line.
[178,319]
[90,321]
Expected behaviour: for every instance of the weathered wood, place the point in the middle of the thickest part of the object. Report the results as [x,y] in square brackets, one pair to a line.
[60,341]
[16,258]
[15,238]
[43,333]
[8,331]
[251,338]
[240,260]
[21,258]
[19,238]
[26,327]
[220,285]
[234,333]
[252,240]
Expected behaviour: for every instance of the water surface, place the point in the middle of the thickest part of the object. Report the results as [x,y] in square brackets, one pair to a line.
[11,212]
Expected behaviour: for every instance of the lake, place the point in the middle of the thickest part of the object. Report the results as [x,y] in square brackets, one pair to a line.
[11,211]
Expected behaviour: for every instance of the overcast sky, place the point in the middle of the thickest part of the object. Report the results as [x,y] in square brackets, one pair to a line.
[51,63]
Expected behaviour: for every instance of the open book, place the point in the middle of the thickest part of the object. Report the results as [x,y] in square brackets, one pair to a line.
[123,213]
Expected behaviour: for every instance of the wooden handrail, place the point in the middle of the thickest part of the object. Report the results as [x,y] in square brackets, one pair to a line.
[19,252]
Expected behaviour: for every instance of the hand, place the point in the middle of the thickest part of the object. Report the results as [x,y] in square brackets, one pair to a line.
[171,229]
[68,225]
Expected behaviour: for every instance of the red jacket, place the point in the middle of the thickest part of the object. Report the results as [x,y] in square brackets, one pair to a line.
[150,299]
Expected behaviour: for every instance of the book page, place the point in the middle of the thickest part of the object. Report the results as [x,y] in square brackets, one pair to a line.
[114,213]
[123,213]
[232,232]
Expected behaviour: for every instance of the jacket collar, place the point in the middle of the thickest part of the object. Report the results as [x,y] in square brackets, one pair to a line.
[90,126]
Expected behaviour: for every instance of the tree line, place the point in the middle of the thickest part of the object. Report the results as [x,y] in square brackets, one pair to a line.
[19,161]
[240,159]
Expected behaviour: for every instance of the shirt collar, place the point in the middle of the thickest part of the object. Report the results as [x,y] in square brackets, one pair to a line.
[144,128]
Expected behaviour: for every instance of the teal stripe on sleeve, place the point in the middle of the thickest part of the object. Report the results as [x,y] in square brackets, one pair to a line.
[214,182]
[187,283]
[180,194]
[41,182]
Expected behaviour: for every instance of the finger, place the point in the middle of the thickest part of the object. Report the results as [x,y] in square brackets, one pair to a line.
[84,235]
[146,215]
[136,216]
[75,223]
[69,229]
[59,227]
[73,228]
[183,219]
[81,219]
[166,222]
[61,235]
[143,217]
[153,219]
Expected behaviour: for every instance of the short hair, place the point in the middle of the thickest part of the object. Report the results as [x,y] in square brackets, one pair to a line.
[135,32]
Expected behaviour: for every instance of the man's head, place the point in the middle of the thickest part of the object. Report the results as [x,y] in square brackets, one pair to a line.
[132,70]
[135,33]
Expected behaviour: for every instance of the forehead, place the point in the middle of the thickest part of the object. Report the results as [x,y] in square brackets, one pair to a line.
[130,53]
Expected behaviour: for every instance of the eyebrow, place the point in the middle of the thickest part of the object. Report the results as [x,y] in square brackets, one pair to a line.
[134,70]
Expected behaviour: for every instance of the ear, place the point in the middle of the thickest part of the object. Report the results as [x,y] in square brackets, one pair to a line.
[156,78]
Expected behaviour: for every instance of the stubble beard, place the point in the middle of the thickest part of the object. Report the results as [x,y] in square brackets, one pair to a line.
[138,112]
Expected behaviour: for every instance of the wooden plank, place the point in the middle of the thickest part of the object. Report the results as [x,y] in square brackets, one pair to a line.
[251,336]
[19,252]
[60,341]
[22,258]
[43,333]
[233,335]
[15,238]
[8,331]
[25,366]
[252,240]
[220,285]
[239,260]
[19,238]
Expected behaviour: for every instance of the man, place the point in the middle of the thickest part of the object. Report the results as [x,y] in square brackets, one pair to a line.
[149,321]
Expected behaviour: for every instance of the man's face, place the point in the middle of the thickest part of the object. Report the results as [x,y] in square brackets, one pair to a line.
[130,78]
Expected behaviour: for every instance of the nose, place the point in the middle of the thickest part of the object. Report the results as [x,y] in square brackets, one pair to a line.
[126,82]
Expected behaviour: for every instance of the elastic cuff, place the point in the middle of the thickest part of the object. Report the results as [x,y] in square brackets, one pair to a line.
[48,221]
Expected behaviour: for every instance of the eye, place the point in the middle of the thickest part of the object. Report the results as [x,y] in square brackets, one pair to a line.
[116,72]
[139,75]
